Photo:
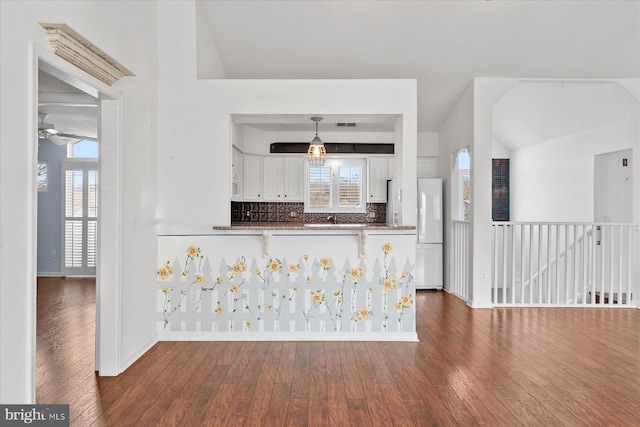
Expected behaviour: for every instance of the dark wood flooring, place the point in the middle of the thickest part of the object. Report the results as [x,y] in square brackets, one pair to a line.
[500,367]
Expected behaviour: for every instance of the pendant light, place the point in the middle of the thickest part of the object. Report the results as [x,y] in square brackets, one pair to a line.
[316,152]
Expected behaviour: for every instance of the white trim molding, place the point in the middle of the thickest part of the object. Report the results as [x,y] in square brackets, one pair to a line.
[288,336]
[72,47]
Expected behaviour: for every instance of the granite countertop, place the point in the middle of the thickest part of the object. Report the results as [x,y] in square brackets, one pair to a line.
[308,227]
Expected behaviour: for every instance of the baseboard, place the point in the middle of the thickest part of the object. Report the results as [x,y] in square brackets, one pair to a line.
[130,360]
[288,336]
[48,274]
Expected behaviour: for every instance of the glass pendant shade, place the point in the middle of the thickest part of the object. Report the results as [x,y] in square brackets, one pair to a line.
[316,152]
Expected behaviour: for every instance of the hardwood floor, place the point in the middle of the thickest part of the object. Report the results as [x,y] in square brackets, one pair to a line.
[500,367]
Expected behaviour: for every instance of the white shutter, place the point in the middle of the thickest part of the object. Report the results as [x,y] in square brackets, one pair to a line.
[319,194]
[350,186]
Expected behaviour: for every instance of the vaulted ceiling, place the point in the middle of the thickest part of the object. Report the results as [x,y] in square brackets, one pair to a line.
[442,44]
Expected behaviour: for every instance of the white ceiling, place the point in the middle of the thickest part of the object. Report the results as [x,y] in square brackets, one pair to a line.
[442,44]
[70,110]
[532,112]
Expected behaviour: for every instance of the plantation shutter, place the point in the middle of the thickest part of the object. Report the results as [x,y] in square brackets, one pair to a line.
[319,187]
[350,186]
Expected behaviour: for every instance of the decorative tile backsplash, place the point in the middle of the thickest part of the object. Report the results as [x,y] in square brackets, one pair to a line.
[294,212]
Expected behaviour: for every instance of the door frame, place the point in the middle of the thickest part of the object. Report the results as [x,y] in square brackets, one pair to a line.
[108,274]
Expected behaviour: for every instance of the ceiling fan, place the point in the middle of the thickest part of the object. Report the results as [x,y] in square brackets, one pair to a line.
[49,131]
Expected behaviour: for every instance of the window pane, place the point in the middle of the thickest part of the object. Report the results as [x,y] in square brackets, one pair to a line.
[73,193]
[84,149]
[319,187]
[42,176]
[93,194]
[350,186]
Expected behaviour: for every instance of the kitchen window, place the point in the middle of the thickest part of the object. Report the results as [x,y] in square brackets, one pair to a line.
[338,186]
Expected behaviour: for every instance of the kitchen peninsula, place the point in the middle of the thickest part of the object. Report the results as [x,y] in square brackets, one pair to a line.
[288,281]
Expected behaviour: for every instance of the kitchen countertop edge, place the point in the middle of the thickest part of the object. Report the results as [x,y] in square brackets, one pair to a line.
[306,227]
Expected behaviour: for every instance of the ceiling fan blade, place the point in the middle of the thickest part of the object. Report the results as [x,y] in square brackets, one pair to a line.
[63,140]
[79,137]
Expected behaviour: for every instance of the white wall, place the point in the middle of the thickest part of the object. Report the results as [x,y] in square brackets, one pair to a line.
[427,144]
[209,64]
[455,133]
[195,174]
[132,43]
[553,181]
[486,92]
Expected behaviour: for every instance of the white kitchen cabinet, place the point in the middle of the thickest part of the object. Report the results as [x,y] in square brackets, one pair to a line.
[273,179]
[253,182]
[293,179]
[237,175]
[391,163]
[427,167]
[283,179]
[377,179]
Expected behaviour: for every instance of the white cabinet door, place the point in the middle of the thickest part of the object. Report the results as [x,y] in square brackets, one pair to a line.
[237,168]
[293,179]
[273,179]
[391,163]
[377,179]
[253,179]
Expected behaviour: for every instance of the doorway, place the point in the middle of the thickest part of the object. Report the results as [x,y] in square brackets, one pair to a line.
[108,205]
[613,187]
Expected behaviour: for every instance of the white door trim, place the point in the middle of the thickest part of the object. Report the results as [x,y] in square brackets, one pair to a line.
[109,276]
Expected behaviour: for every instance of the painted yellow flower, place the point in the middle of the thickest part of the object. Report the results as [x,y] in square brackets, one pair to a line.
[249,323]
[364,312]
[163,273]
[305,256]
[270,308]
[387,247]
[317,297]
[219,310]
[169,267]
[405,300]
[371,288]
[199,278]
[387,285]
[354,274]
[219,280]
[309,279]
[361,271]
[193,252]
[165,290]
[325,263]
[357,317]
[235,289]
[185,273]
[244,264]
[339,299]
[274,265]
[404,274]
[293,268]
[397,306]
[236,269]
[394,282]
[295,287]
[336,292]
[258,272]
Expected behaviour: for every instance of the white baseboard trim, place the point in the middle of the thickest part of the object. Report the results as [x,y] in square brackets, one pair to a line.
[48,274]
[130,360]
[288,336]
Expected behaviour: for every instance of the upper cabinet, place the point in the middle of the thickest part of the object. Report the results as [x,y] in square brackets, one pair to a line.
[283,179]
[377,173]
[253,180]
[237,175]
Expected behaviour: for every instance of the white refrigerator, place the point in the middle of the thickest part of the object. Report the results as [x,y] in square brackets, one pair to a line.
[429,264]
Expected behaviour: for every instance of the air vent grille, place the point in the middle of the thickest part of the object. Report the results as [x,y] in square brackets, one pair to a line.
[346,125]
